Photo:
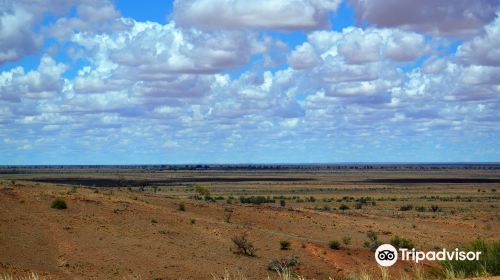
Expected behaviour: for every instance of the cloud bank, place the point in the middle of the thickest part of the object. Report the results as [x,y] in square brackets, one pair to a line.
[216,84]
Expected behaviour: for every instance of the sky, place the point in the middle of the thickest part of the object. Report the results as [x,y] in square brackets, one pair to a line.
[237,81]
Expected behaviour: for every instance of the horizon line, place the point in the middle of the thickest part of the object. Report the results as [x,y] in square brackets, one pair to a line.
[272,163]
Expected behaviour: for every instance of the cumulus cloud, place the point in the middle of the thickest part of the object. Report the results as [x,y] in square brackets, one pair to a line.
[91,16]
[42,83]
[359,46]
[303,57]
[436,17]
[152,50]
[18,19]
[484,49]
[260,14]
[16,36]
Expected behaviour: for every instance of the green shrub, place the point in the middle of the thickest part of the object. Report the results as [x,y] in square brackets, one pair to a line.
[346,240]
[193,221]
[399,242]
[435,208]
[406,207]
[334,244]
[373,242]
[285,245]
[181,207]
[154,221]
[202,191]
[343,207]
[58,203]
[420,209]
[256,200]
[282,203]
[488,263]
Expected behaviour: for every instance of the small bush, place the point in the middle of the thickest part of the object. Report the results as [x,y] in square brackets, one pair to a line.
[243,246]
[406,207]
[154,221]
[435,208]
[344,207]
[58,203]
[181,207]
[373,242]
[334,244]
[285,245]
[282,203]
[278,265]
[202,191]
[346,240]
[399,242]
[193,221]
[420,209]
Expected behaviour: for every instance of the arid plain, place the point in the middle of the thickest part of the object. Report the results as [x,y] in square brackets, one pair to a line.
[156,222]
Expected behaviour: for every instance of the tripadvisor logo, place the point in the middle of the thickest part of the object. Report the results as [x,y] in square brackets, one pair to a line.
[387,255]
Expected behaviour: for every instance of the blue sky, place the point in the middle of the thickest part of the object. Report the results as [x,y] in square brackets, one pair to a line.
[233,81]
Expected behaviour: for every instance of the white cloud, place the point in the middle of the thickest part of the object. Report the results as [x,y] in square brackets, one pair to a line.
[484,49]
[16,36]
[42,83]
[304,56]
[435,17]
[361,46]
[259,14]
[19,18]
[151,50]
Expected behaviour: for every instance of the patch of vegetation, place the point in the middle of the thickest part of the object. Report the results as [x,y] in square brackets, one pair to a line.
[407,207]
[154,221]
[58,203]
[181,207]
[346,240]
[435,208]
[334,245]
[244,246]
[256,200]
[202,191]
[373,241]
[285,245]
[420,209]
[488,263]
[282,203]
[283,263]
[193,221]
[344,207]
[399,242]
[209,198]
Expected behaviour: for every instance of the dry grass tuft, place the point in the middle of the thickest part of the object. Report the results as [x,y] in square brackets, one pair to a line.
[32,276]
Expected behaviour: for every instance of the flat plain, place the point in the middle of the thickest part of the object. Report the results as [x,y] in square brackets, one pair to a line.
[165,222]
